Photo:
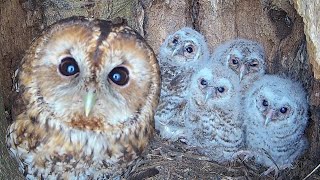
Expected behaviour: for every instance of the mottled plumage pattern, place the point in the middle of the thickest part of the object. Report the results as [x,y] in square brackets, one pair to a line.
[89,90]
[246,58]
[212,119]
[275,117]
[179,56]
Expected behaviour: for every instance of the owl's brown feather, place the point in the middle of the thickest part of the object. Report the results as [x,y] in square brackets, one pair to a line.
[53,137]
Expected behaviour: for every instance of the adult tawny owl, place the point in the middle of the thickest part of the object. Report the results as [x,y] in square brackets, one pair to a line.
[90,89]
[246,58]
[179,55]
[212,114]
[275,118]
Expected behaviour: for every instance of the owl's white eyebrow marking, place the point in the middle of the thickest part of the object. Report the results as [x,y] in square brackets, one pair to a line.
[105,28]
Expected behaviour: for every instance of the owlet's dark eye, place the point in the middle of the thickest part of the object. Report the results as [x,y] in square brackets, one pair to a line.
[235,61]
[254,64]
[189,49]
[283,110]
[203,82]
[119,75]
[265,103]
[221,89]
[175,41]
[68,66]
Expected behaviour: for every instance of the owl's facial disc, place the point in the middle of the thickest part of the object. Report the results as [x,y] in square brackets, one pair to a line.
[210,91]
[214,92]
[184,51]
[274,112]
[244,63]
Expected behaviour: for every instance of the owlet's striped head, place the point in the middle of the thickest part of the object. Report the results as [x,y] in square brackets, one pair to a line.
[215,85]
[277,101]
[183,47]
[246,58]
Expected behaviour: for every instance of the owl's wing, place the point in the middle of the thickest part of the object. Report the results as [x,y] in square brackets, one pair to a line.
[180,82]
[169,108]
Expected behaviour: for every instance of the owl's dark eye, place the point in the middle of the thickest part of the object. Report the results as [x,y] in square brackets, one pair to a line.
[235,61]
[203,82]
[68,66]
[283,110]
[175,41]
[265,103]
[189,49]
[119,75]
[254,64]
[221,89]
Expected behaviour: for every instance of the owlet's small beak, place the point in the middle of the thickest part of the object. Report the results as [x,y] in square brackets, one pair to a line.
[177,50]
[242,71]
[208,94]
[268,117]
[89,101]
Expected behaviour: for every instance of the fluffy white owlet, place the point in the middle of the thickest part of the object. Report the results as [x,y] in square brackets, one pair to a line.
[89,90]
[212,121]
[246,58]
[179,55]
[275,118]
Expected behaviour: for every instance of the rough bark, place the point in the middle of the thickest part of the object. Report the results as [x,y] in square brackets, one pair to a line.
[310,11]
[17,28]
[8,167]
[163,18]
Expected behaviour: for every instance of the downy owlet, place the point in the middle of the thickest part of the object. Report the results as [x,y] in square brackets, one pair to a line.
[246,58]
[275,117]
[179,56]
[212,116]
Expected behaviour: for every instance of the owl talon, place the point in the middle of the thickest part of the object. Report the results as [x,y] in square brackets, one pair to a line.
[276,169]
[246,153]
[270,169]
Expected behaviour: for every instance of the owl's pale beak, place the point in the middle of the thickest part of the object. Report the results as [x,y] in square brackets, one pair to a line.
[89,101]
[268,117]
[177,50]
[208,94]
[242,71]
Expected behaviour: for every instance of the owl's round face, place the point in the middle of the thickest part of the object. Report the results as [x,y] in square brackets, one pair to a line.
[185,45]
[214,86]
[245,58]
[92,74]
[273,106]
[276,100]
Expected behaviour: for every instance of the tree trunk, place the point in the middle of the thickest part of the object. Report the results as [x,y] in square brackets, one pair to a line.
[8,167]
[285,35]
